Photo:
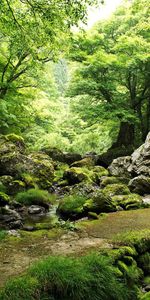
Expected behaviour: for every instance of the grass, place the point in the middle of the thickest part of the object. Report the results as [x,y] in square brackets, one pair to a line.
[64,278]
[3,235]
[72,205]
[35,197]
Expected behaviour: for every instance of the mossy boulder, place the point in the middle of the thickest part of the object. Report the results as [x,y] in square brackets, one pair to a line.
[113,180]
[76,175]
[42,169]
[100,202]
[16,186]
[17,140]
[72,207]
[130,201]
[4,199]
[85,162]
[116,189]
[6,181]
[98,173]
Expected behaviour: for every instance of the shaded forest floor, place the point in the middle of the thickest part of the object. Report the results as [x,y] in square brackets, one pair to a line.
[18,253]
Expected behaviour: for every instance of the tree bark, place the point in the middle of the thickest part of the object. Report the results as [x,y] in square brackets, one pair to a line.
[125,136]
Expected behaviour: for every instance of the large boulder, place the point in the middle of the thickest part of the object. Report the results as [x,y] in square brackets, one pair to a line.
[140,159]
[75,175]
[140,185]
[14,163]
[119,166]
[100,202]
[136,164]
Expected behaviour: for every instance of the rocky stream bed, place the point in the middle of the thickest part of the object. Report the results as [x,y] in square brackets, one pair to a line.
[55,203]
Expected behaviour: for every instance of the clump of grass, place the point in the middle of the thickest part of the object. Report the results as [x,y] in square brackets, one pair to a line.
[64,278]
[3,234]
[72,206]
[34,197]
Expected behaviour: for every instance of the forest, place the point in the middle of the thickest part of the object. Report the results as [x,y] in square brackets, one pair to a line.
[74,151]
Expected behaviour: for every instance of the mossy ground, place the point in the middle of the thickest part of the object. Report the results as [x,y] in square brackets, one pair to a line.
[16,254]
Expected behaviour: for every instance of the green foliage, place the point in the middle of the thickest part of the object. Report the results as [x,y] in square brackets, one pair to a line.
[91,277]
[4,199]
[113,73]
[33,196]
[3,234]
[72,206]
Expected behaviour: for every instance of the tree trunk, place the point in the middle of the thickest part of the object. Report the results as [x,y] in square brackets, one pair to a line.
[125,136]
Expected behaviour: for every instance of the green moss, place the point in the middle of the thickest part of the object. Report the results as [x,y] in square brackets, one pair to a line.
[87,162]
[59,171]
[131,201]
[131,272]
[139,239]
[2,187]
[113,180]
[4,199]
[144,262]
[146,296]
[93,215]
[34,196]
[72,206]
[147,280]
[98,172]
[116,189]
[100,202]
[14,138]
[30,181]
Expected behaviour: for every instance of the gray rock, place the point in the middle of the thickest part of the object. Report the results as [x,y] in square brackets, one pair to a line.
[16,224]
[13,232]
[119,166]
[140,159]
[35,209]
[136,164]
[140,185]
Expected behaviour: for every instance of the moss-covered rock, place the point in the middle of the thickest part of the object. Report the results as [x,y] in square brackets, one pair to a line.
[72,207]
[42,169]
[116,189]
[100,202]
[4,199]
[16,139]
[113,180]
[6,181]
[16,186]
[76,175]
[85,162]
[59,170]
[131,201]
